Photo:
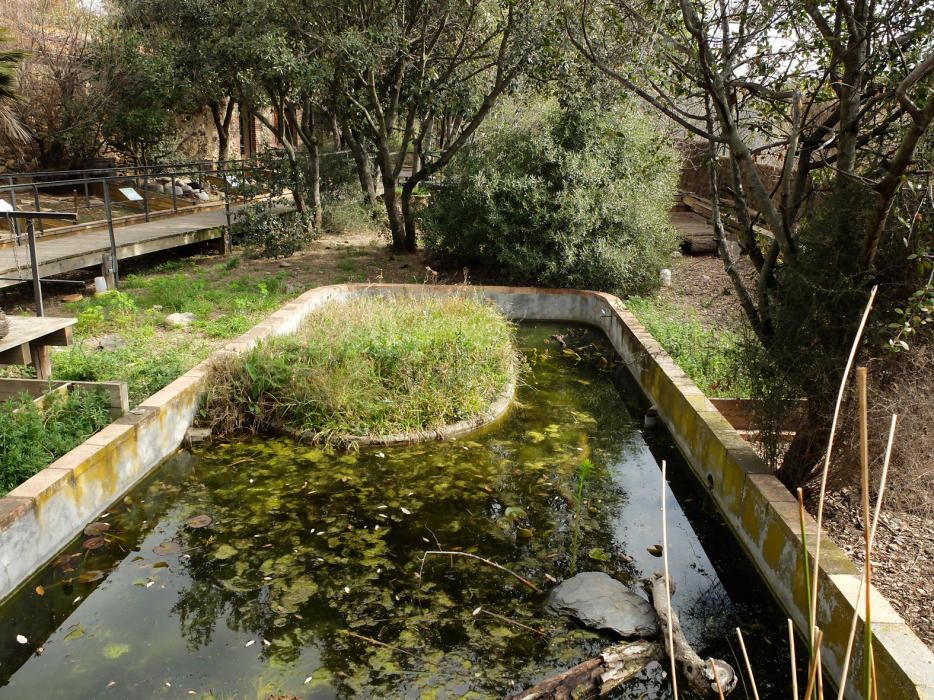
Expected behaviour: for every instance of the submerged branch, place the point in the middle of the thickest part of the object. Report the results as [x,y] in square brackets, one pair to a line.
[483,561]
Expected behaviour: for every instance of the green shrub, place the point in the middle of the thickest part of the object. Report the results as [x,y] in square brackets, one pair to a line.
[369,366]
[710,357]
[349,215]
[561,197]
[267,233]
[31,439]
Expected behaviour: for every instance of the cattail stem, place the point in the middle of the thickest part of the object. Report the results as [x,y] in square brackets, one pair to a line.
[862,379]
[812,671]
[794,662]
[872,538]
[671,638]
[752,678]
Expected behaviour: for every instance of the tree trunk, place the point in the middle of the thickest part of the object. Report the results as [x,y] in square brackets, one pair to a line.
[314,153]
[408,216]
[362,161]
[391,199]
[222,126]
[807,448]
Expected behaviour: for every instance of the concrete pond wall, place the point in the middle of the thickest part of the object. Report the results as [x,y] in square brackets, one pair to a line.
[43,514]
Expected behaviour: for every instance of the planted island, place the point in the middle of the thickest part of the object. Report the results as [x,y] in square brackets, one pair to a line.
[373,369]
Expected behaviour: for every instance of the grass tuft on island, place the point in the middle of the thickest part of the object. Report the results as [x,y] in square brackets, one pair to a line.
[368,367]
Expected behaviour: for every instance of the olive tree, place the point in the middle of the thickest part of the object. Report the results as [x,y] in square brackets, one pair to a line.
[837,96]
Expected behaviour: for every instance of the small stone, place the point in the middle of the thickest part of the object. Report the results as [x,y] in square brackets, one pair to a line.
[110,342]
[180,320]
[203,196]
[602,602]
[196,435]
[285,264]
[72,298]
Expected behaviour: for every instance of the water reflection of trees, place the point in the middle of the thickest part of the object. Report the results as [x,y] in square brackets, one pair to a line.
[265,570]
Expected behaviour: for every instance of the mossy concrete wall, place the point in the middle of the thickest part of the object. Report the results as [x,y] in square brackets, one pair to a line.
[39,517]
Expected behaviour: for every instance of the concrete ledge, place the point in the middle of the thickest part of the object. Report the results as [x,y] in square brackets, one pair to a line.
[40,516]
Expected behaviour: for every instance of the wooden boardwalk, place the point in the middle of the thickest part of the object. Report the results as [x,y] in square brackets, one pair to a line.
[85,249]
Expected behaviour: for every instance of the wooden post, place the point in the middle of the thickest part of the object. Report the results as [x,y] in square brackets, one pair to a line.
[107,270]
[34,265]
[41,360]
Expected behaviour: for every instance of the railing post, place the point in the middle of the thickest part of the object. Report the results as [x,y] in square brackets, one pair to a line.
[35,196]
[14,223]
[110,230]
[174,199]
[146,194]
[34,264]
[223,172]
[87,195]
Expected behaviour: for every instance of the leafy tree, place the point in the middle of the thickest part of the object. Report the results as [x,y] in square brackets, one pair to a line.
[837,96]
[567,197]
[399,70]
[189,33]
[138,119]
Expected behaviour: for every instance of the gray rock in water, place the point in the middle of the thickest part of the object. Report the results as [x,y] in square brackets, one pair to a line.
[602,602]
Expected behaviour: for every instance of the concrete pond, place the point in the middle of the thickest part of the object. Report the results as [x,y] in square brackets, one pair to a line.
[264,567]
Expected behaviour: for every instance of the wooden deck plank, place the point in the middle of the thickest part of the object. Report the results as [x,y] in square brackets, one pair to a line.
[85,248]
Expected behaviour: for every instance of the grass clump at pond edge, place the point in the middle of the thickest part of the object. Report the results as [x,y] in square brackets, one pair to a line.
[710,357]
[32,438]
[367,367]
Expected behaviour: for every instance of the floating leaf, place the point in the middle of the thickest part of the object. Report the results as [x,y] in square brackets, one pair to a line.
[40,590]
[94,543]
[96,529]
[515,512]
[167,547]
[90,576]
[76,632]
[115,651]
[199,521]
[64,559]
[534,436]
[21,639]
[598,554]
[225,551]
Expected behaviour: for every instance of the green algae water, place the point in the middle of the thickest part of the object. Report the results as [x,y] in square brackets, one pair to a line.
[266,568]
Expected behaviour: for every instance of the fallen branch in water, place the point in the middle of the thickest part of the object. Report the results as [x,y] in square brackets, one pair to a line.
[481,560]
[596,676]
[599,675]
[503,618]
[695,670]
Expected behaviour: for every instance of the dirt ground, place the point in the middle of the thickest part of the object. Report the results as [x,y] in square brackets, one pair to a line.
[904,554]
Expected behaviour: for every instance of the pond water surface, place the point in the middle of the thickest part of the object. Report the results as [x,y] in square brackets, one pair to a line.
[308,578]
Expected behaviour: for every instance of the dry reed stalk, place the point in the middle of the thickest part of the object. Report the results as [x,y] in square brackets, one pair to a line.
[716,678]
[671,639]
[818,635]
[752,678]
[807,564]
[872,537]
[862,378]
[826,467]
[794,663]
